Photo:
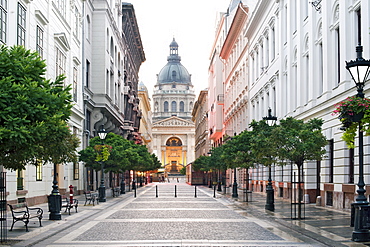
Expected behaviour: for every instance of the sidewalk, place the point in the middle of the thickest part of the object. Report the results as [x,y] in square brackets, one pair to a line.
[19,236]
[329,226]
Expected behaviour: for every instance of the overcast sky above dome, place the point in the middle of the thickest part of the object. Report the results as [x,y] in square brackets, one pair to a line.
[190,22]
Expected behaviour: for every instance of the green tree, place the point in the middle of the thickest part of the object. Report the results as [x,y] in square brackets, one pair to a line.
[237,152]
[120,157]
[33,111]
[263,144]
[124,155]
[299,141]
[202,164]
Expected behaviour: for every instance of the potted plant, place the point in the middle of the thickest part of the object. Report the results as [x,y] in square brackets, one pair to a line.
[353,112]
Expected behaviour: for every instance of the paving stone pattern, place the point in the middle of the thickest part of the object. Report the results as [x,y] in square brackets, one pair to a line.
[166,220]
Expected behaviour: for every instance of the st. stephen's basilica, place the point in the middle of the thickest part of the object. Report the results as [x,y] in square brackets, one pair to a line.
[173,101]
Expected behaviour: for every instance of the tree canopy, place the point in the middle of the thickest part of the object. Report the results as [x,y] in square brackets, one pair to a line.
[124,155]
[298,141]
[33,111]
[292,139]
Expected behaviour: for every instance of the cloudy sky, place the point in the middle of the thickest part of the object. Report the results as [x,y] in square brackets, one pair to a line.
[190,22]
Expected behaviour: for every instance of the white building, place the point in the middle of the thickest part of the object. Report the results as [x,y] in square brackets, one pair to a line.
[295,63]
[54,29]
[96,44]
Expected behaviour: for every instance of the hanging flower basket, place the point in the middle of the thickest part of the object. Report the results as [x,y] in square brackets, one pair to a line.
[352,112]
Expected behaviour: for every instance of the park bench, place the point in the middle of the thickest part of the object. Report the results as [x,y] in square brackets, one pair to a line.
[21,212]
[91,198]
[116,191]
[66,203]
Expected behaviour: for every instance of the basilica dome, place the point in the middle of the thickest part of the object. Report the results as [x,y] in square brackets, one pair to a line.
[174,71]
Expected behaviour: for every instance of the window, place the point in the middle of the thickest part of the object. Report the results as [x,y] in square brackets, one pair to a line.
[285,23]
[21,25]
[294,16]
[337,54]
[61,7]
[272,43]
[40,41]
[165,106]
[173,106]
[182,106]
[76,171]
[321,71]
[19,179]
[74,87]
[88,120]
[39,171]
[3,20]
[77,23]
[87,73]
[88,28]
[331,161]
[60,65]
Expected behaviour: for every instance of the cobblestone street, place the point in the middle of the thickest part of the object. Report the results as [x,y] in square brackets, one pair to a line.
[166,220]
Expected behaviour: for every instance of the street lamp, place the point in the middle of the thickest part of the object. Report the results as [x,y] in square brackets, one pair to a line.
[235,186]
[102,134]
[271,121]
[360,70]
[55,199]
[210,172]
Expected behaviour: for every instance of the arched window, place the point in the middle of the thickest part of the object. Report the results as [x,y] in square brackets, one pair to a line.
[174,141]
[182,106]
[88,27]
[165,106]
[173,106]
[111,47]
[174,75]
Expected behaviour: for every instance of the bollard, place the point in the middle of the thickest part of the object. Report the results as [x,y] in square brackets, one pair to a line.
[175,190]
[156,191]
[195,189]
[71,194]
[135,192]
[214,191]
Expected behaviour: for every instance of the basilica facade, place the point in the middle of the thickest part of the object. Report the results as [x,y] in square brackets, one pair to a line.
[173,129]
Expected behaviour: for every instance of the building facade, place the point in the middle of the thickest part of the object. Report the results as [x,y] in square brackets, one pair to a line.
[173,100]
[97,46]
[295,53]
[145,130]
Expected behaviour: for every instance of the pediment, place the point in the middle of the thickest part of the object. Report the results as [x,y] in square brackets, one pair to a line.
[173,122]
[62,40]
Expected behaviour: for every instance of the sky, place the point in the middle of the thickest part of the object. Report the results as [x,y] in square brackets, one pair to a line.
[191,22]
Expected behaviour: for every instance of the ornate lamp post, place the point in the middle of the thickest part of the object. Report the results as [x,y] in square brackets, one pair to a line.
[235,186]
[102,134]
[271,120]
[54,199]
[360,70]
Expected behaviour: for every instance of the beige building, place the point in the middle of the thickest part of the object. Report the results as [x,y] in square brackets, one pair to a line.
[173,100]
[145,129]
[200,118]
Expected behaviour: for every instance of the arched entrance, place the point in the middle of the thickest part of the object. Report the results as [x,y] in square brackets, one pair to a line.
[174,156]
